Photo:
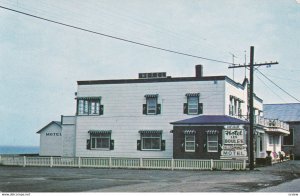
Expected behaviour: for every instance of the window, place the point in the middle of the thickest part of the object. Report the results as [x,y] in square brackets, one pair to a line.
[212,143]
[100,140]
[273,139]
[189,143]
[151,141]
[151,107]
[289,140]
[193,105]
[89,106]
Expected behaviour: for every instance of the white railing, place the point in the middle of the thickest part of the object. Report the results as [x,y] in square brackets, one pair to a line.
[116,162]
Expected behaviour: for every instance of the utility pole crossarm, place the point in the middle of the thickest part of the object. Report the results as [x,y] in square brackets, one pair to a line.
[255,65]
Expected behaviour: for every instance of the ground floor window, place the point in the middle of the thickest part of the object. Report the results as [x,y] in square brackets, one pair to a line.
[212,143]
[189,143]
[273,139]
[100,140]
[289,140]
[151,141]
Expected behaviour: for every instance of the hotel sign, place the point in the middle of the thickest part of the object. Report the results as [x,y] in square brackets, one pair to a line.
[234,146]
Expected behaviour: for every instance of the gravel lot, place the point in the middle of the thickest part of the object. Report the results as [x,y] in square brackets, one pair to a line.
[44,179]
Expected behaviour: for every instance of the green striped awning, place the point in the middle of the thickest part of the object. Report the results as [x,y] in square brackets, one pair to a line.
[88,98]
[189,132]
[211,132]
[151,95]
[192,94]
[150,131]
[99,131]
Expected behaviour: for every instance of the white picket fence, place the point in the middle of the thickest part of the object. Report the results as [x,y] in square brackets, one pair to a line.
[117,162]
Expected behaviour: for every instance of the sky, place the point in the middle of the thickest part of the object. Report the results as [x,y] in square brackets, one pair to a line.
[40,62]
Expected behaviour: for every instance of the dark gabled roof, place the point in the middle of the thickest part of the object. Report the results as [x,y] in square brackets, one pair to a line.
[211,120]
[289,112]
[53,122]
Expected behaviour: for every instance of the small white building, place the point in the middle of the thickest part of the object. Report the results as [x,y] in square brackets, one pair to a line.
[51,139]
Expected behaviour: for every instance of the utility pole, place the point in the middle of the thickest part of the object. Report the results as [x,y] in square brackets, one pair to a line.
[251,87]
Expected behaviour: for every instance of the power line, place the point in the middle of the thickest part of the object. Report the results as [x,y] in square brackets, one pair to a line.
[117,38]
[270,88]
[277,85]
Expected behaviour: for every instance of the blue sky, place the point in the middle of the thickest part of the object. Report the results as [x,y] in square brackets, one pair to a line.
[41,61]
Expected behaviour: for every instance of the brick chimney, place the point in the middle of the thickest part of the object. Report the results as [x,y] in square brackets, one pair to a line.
[199,71]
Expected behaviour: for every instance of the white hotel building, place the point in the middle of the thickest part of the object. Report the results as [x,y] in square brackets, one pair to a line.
[131,118]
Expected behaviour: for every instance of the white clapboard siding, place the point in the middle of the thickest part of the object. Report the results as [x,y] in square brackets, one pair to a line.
[51,145]
[123,113]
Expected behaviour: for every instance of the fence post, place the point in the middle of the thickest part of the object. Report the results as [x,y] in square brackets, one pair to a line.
[51,161]
[244,164]
[110,162]
[141,162]
[24,161]
[172,164]
[79,162]
[211,164]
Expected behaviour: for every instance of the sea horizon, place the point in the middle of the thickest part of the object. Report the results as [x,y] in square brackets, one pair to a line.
[7,149]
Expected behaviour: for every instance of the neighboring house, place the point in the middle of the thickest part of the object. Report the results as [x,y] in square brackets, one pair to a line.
[132,117]
[51,139]
[289,113]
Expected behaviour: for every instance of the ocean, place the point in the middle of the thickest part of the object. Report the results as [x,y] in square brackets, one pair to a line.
[19,150]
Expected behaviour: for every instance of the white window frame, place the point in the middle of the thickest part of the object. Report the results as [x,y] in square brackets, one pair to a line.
[190,141]
[212,141]
[152,110]
[191,105]
[89,107]
[94,139]
[150,136]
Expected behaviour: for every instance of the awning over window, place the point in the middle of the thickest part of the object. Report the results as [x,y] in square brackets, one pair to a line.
[236,98]
[150,131]
[212,132]
[94,132]
[88,98]
[189,132]
[151,95]
[192,94]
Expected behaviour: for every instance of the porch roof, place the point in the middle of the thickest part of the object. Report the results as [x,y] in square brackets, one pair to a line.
[211,120]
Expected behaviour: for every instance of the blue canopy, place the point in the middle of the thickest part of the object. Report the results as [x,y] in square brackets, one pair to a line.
[211,119]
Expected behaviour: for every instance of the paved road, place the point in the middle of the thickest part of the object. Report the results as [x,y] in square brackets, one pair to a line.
[291,186]
[38,179]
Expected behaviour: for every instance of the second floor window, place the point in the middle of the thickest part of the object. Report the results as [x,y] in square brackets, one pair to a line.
[89,106]
[192,106]
[151,107]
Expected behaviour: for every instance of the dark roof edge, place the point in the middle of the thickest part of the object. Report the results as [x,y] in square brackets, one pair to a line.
[55,122]
[125,81]
[168,79]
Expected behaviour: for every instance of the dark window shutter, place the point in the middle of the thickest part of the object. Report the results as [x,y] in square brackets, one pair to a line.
[185,108]
[182,143]
[112,144]
[144,108]
[200,108]
[101,109]
[138,145]
[163,145]
[158,109]
[88,144]
[205,143]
